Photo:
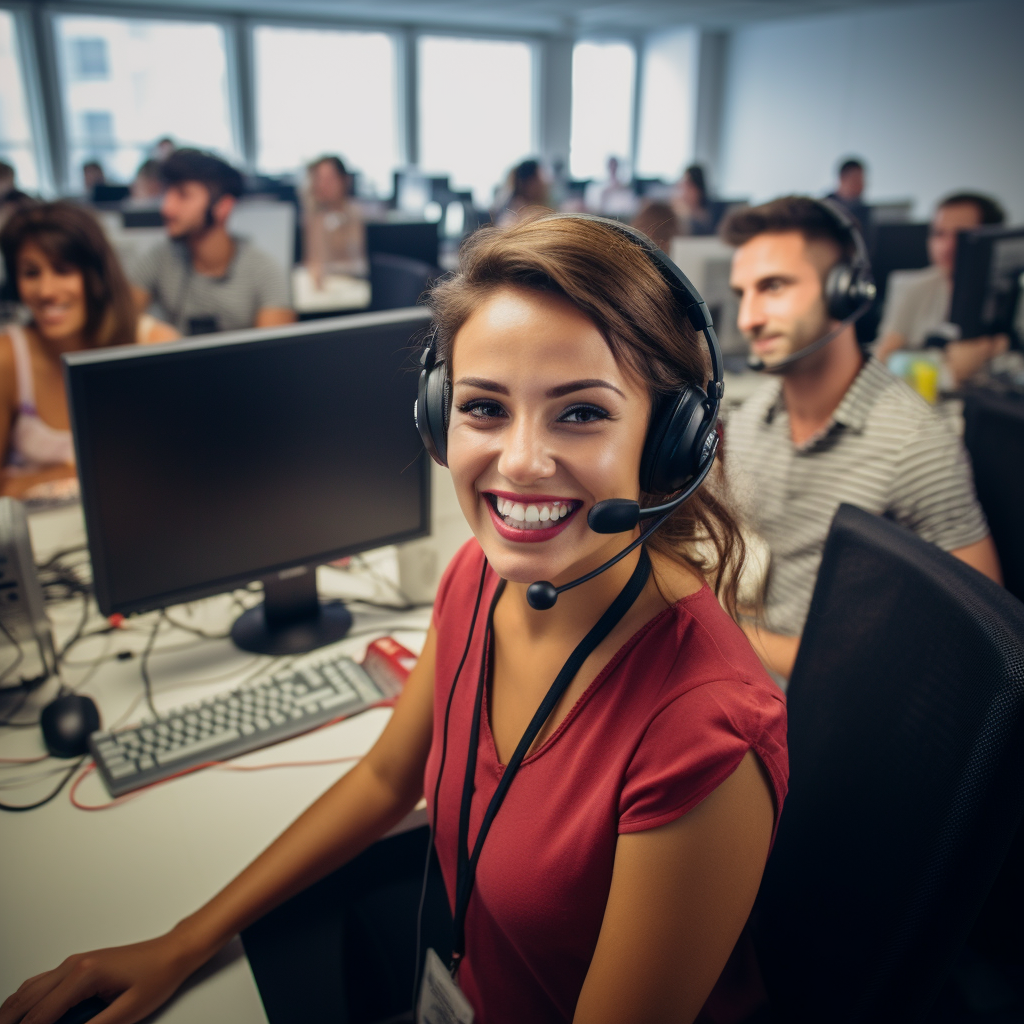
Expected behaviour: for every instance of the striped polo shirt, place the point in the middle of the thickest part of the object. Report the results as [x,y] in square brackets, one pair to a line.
[884,450]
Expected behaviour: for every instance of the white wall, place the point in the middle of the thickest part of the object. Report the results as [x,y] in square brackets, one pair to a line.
[932,97]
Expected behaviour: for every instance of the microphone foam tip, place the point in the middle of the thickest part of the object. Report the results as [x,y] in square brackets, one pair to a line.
[541,595]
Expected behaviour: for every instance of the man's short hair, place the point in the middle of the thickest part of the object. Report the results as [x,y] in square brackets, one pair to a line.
[194,165]
[6,170]
[809,217]
[989,211]
[851,163]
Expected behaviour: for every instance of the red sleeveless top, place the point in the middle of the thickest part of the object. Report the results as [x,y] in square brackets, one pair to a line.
[666,721]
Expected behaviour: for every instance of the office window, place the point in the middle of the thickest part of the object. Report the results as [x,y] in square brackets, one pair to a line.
[127,82]
[15,126]
[475,110]
[603,77]
[667,95]
[324,91]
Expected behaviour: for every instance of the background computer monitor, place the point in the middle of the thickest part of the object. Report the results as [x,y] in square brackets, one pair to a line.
[209,463]
[987,282]
[414,239]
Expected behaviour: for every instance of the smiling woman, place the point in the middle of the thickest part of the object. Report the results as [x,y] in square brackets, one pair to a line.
[67,277]
[604,774]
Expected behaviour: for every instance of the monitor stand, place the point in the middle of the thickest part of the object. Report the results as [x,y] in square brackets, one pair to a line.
[292,619]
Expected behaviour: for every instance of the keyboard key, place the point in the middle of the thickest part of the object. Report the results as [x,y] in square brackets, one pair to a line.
[182,753]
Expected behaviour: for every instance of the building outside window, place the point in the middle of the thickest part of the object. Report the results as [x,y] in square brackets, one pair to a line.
[126,82]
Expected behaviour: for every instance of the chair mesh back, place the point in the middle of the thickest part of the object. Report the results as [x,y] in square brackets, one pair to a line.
[994,435]
[906,777]
[397,282]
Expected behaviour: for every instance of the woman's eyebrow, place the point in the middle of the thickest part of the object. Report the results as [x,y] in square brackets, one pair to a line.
[482,384]
[581,385]
[560,391]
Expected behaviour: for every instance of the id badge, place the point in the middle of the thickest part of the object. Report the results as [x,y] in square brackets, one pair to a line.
[441,1000]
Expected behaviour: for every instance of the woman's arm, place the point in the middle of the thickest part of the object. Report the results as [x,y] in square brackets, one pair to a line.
[680,896]
[8,402]
[374,796]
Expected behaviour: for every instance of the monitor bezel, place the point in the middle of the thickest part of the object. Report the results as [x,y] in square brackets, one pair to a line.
[76,362]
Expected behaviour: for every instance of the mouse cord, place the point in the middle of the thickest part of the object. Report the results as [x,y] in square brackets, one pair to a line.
[19,657]
[46,799]
[147,683]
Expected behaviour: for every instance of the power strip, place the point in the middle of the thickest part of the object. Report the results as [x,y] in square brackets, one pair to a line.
[26,642]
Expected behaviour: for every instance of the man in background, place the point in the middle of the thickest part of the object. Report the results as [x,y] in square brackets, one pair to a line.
[202,278]
[829,425]
[849,192]
[917,301]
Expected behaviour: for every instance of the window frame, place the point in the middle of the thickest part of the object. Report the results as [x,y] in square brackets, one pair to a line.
[29,66]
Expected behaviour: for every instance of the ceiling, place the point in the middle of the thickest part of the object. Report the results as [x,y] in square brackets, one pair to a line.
[532,16]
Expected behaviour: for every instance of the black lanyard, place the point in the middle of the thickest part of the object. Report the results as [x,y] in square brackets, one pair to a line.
[466,863]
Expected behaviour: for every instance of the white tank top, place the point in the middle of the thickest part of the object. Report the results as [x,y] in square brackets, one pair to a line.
[33,444]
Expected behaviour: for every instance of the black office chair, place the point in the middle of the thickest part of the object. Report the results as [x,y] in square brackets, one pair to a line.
[994,436]
[906,725]
[397,281]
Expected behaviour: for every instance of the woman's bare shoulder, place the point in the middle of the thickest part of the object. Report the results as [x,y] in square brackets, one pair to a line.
[8,377]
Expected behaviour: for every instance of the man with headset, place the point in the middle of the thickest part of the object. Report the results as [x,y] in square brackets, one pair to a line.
[204,279]
[830,425]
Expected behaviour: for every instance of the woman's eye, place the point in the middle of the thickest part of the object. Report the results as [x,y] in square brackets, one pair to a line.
[583,414]
[482,409]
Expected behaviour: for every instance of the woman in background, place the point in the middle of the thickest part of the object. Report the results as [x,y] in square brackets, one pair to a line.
[526,190]
[691,202]
[334,233]
[66,275]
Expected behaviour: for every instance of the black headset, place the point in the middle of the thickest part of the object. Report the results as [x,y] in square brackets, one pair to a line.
[849,288]
[681,439]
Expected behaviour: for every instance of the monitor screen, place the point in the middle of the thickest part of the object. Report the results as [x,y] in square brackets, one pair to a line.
[987,282]
[208,463]
[415,239]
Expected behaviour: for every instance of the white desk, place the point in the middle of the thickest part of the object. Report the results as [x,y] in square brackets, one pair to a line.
[74,880]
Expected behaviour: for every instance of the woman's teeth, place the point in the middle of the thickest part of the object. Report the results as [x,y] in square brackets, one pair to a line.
[531,517]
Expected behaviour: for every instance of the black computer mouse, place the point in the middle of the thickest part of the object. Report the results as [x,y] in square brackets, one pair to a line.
[67,723]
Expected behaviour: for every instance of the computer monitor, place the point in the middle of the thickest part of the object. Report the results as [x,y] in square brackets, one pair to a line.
[252,455]
[415,239]
[987,282]
[896,246]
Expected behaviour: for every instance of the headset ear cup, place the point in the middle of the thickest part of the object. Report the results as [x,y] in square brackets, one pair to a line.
[676,442]
[433,402]
[838,291]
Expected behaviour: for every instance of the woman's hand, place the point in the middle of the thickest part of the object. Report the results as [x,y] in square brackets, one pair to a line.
[133,979]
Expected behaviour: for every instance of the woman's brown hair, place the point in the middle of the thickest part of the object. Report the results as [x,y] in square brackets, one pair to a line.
[612,282]
[70,236]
